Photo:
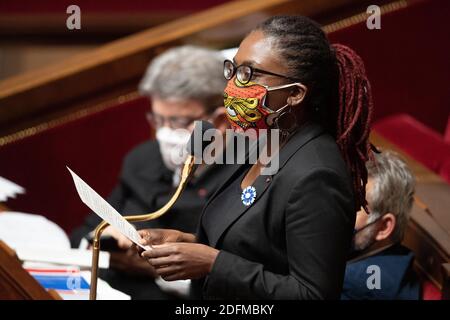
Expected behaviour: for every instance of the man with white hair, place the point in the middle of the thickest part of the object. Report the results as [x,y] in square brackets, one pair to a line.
[184,84]
[381,267]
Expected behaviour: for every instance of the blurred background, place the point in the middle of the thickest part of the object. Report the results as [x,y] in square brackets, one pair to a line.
[69,97]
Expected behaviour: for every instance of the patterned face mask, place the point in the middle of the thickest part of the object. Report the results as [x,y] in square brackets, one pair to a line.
[245,105]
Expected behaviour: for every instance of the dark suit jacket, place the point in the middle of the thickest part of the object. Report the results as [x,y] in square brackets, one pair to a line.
[293,241]
[398,281]
[145,185]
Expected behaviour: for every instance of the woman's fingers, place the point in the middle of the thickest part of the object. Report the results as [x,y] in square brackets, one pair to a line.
[159,251]
[107,231]
[123,242]
[167,271]
[160,262]
[143,232]
[175,261]
[164,258]
[145,237]
[151,236]
[138,249]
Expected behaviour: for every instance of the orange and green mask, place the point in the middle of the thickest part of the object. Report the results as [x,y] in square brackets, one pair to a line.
[245,105]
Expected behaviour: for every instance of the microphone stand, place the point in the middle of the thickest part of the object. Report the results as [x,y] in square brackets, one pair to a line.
[188,169]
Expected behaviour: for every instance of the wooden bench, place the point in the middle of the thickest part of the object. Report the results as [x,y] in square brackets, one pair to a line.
[16,283]
[107,77]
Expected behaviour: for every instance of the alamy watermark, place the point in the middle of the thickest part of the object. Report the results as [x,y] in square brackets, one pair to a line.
[73,21]
[374,280]
[74,279]
[250,147]
[374,19]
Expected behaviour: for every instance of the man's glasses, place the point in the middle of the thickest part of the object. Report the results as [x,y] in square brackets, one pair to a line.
[158,121]
[244,73]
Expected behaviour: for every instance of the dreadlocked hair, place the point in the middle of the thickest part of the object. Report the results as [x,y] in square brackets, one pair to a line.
[339,95]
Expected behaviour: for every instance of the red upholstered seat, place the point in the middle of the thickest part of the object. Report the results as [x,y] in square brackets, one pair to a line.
[444,172]
[447,131]
[422,143]
[93,146]
[430,291]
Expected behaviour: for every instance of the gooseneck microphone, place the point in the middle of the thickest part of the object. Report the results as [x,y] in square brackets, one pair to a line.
[195,148]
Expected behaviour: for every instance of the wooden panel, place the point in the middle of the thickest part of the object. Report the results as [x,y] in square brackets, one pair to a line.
[48,17]
[119,64]
[112,24]
[16,283]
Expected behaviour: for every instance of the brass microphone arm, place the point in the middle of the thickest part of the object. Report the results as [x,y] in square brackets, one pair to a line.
[185,175]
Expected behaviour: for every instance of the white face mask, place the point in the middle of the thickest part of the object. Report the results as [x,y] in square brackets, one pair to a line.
[172,145]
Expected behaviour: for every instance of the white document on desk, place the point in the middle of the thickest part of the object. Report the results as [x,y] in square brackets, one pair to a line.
[9,189]
[104,210]
[70,257]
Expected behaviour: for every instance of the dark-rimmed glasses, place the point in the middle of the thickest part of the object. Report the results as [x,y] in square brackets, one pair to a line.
[158,121]
[244,73]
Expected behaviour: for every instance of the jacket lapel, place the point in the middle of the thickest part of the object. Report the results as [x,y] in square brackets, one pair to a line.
[261,184]
[225,221]
[233,172]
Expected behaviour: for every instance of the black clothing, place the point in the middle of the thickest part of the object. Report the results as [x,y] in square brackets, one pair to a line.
[293,241]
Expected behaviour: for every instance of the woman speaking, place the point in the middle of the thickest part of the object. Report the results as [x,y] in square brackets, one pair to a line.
[284,236]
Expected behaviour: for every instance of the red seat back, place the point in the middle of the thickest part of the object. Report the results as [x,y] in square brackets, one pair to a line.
[407,60]
[430,291]
[93,146]
[420,142]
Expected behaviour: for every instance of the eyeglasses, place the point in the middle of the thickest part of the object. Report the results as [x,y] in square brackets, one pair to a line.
[158,121]
[244,73]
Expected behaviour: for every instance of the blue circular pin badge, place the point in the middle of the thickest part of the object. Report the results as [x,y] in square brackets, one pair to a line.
[248,196]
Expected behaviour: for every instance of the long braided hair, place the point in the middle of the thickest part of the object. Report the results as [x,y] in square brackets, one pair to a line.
[339,94]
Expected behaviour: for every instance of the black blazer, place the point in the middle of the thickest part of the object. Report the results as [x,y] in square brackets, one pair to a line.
[293,241]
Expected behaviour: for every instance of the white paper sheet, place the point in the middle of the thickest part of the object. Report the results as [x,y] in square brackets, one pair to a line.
[35,238]
[180,288]
[32,231]
[104,210]
[9,189]
[104,290]
[75,257]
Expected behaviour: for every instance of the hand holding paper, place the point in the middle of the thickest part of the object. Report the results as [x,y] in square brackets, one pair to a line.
[105,211]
